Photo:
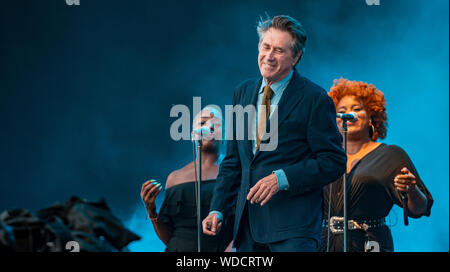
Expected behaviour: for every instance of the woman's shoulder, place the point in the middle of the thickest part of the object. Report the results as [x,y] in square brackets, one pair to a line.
[392,148]
[171,179]
[177,177]
[182,176]
[394,151]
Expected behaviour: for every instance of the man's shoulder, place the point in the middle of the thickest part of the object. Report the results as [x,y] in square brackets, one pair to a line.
[248,83]
[311,87]
[247,87]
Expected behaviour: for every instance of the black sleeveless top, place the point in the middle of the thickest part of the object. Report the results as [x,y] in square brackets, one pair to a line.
[179,213]
[371,195]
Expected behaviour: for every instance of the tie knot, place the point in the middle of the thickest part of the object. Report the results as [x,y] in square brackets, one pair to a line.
[268,92]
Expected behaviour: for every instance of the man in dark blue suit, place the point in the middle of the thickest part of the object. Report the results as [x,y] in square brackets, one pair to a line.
[277,193]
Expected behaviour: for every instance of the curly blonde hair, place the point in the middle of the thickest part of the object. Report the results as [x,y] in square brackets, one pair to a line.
[372,99]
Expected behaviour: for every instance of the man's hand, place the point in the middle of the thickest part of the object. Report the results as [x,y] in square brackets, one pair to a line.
[263,190]
[211,224]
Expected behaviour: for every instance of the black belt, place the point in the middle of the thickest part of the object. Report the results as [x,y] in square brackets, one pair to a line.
[337,224]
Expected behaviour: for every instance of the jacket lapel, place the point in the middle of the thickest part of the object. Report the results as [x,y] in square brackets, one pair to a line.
[252,98]
[291,97]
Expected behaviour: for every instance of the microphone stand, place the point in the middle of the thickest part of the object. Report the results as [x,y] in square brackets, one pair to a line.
[199,145]
[197,184]
[344,186]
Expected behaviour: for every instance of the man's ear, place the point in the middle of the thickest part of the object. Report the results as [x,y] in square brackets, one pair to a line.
[298,57]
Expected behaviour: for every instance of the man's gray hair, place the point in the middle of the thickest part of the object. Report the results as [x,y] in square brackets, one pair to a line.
[288,24]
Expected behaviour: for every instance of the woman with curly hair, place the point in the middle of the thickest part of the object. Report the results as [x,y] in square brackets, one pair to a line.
[378,175]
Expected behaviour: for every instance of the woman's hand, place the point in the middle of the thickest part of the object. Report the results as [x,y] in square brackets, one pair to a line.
[405,182]
[149,192]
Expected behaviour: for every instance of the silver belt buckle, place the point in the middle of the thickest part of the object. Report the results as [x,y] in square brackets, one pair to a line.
[333,220]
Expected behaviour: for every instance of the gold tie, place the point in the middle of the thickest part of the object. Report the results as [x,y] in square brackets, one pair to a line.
[263,115]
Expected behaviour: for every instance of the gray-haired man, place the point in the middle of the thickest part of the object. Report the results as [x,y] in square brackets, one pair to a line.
[278,194]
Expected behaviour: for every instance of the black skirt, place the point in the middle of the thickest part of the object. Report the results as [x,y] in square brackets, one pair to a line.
[179,213]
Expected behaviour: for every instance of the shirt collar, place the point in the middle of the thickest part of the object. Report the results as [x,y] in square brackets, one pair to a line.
[279,86]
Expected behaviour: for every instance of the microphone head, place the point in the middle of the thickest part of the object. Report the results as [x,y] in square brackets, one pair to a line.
[355,116]
[204,132]
[351,116]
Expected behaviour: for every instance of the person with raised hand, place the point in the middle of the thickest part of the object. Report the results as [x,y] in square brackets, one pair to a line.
[378,175]
[176,222]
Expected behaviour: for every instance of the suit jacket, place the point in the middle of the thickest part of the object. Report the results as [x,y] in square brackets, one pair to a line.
[309,151]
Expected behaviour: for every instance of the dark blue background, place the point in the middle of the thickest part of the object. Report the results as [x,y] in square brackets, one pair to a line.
[86,91]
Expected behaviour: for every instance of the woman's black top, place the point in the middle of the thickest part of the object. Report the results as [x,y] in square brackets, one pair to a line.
[371,195]
[179,214]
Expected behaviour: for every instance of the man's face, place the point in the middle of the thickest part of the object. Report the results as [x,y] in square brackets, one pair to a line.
[275,58]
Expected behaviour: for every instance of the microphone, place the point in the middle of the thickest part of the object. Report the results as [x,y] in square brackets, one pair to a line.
[352,116]
[206,132]
[404,197]
[405,207]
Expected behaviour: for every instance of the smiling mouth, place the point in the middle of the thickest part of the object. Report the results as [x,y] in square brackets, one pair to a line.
[269,65]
